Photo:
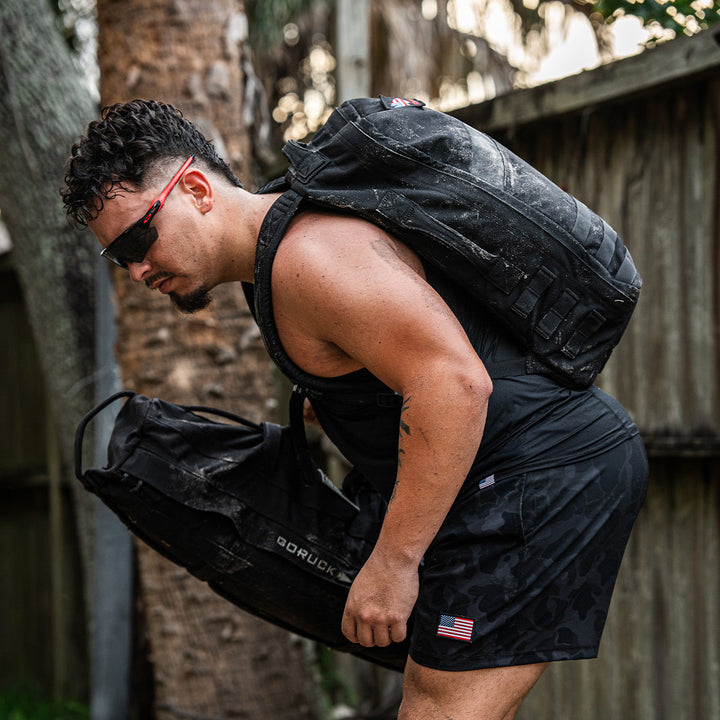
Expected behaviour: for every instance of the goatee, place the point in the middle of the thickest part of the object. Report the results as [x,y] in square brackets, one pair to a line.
[192,302]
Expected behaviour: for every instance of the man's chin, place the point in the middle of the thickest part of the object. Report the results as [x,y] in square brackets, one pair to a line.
[191,302]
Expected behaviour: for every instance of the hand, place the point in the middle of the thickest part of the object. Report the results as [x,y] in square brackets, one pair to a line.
[380,602]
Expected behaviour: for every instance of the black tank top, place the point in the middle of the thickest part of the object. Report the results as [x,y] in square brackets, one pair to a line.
[532,422]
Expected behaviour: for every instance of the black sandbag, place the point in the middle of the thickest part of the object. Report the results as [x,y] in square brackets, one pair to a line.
[229,503]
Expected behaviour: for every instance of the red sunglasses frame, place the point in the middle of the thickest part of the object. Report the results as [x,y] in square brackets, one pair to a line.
[133,244]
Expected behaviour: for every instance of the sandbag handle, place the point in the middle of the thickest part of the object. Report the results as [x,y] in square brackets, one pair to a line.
[309,471]
[80,432]
[223,413]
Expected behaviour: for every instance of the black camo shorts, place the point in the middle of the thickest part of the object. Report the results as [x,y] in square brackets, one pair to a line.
[523,569]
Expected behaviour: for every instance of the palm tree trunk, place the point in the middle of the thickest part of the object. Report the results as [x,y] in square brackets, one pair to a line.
[209,659]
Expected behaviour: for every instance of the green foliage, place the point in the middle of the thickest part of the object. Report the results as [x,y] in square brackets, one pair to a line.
[25,703]
[268,18]
[336,689]
[680,16]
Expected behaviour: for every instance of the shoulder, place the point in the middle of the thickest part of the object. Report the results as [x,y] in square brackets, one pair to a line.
[317,239]
[340,259]
[334,275]
[346,294]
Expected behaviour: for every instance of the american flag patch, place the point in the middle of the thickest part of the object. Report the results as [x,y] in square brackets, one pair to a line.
[455,627]
[486,482]
[404,102]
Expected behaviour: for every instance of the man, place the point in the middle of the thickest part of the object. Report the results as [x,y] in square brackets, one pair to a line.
[510,500]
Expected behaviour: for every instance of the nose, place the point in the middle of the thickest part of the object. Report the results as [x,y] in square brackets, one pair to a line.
[138,270]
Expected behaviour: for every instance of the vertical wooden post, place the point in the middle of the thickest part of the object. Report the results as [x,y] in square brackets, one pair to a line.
[353,49]
[57,560]
[113,589]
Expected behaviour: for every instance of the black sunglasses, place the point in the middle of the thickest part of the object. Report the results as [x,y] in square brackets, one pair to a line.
[132,244]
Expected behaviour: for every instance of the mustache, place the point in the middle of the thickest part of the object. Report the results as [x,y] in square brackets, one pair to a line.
[157,277]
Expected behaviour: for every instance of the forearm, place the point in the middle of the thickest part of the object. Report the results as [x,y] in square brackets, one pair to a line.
[440,431]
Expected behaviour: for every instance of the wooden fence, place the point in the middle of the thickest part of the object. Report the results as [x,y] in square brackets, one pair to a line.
[639,142]
[42,623]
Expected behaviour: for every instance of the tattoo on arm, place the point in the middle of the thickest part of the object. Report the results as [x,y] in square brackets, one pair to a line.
[404,428]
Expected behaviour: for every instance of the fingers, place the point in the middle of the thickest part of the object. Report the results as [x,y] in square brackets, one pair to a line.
[368,634]
[348,627]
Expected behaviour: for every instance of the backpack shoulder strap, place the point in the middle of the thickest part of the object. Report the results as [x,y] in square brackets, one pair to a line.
[272,231]
[277,185]
[271,234]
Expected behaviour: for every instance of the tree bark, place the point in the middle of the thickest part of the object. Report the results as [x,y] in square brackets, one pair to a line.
[209,659]
[43,105]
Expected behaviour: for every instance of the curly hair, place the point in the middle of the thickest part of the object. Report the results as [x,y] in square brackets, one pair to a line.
[121,147]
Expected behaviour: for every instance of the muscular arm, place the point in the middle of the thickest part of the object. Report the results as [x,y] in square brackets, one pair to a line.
[365,303]
[439,434]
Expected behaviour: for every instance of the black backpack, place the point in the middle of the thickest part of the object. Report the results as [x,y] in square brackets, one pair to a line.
[551,270]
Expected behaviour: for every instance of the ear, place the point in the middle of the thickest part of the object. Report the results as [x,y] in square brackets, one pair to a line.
[197,183]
